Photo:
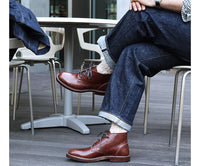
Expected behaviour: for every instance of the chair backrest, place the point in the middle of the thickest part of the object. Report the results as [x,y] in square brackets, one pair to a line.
[61,31]
[26,54]
[15,43]
[88,46]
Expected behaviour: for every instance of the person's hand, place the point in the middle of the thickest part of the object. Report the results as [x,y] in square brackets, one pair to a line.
[138,5]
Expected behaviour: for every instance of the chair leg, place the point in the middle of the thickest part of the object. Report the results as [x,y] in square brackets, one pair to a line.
[173,107]
[54,79]
[59,68]
[20,86]
[93,101]
[146,110]
[180,117]
[13,85]
[15,91]
[52,86]
[79,95]
[30,98]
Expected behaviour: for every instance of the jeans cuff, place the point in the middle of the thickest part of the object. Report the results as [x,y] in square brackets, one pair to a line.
[115,119]
[102,44]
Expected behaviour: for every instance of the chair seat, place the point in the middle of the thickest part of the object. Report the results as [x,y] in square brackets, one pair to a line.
[15,63]
[182,67]
[34,58]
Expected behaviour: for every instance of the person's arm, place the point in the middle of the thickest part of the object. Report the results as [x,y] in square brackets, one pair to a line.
[175,5]
[139,5]
[183,6]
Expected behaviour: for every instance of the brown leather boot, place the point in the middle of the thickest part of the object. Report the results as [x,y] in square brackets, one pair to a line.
[88,80]
[111,146]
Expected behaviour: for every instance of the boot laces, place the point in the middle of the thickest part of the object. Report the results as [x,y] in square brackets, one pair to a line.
[104,135]
[86,73]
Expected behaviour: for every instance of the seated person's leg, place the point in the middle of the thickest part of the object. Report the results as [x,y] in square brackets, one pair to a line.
[128,51]
[126,84]
[135,27]
[163,28]
[122,99]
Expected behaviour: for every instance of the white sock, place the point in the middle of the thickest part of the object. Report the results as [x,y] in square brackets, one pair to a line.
[104,68]
[117,129]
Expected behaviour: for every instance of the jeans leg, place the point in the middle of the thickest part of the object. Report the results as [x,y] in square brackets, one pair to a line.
[163,28]
[126,85]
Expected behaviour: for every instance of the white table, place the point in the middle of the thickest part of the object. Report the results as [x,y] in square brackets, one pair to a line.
[75,122]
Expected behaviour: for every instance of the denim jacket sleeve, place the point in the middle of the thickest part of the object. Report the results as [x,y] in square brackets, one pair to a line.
[24,26]
[186,11]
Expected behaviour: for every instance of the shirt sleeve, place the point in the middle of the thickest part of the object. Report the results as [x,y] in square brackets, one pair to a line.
[186,11]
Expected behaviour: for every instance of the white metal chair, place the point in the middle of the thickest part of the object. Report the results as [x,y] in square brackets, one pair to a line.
[49,58]
[186,70]
[89,47]
[15,43]
[15,66]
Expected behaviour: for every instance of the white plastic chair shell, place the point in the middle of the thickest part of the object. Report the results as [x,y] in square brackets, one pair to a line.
[29,57]
[89,46]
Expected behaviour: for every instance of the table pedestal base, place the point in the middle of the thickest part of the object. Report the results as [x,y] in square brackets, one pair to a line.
[75,122]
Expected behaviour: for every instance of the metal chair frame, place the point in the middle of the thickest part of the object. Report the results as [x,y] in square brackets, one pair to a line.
[49,58]
[15,66]
[13,44]
[186,70]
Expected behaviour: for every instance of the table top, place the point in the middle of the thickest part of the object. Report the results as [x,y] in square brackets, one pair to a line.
[82,21]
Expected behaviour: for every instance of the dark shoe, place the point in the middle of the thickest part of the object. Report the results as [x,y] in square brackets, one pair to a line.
[112,147]
[88,80]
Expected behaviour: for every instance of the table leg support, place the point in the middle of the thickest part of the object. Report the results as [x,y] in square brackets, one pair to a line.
[77,125]
[74,122]
[89,119]
[44,123]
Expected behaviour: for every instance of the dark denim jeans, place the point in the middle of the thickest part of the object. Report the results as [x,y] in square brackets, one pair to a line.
[141,44]
[24,26]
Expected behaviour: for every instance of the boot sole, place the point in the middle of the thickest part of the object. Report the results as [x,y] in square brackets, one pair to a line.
[98,92]
[110,158]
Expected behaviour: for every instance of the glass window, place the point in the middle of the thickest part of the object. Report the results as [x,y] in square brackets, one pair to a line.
[58,8]
[111,8]
[104,9]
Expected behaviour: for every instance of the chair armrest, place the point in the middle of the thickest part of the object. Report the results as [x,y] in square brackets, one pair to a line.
[56,30]
[15,43]
[88,46]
